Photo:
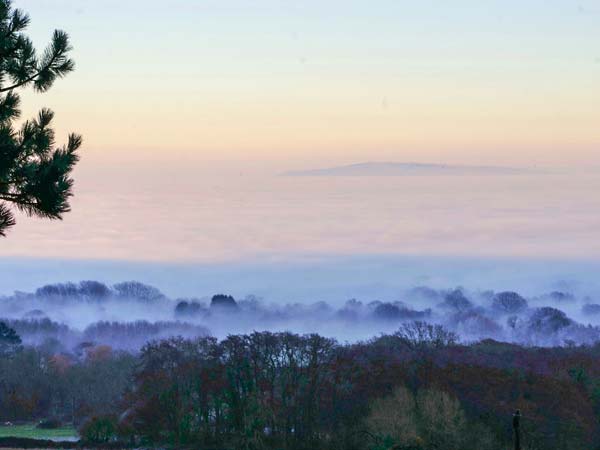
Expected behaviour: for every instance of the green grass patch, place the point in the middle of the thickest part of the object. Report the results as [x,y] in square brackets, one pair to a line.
[30,431]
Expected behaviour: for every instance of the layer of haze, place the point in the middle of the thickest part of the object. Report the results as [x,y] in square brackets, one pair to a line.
[171,214]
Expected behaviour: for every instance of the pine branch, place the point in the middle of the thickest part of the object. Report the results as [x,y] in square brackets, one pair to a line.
[55,64]
[7,219]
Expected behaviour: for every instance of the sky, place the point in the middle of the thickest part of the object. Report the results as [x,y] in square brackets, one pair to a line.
[310,83]
[191,110]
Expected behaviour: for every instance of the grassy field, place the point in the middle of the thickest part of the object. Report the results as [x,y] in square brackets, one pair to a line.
[30,431]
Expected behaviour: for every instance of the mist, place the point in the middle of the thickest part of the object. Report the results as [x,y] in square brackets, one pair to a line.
[525,302]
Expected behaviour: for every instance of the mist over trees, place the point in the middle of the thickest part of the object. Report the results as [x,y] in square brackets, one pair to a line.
[34,172]
[128,314]
[126,362]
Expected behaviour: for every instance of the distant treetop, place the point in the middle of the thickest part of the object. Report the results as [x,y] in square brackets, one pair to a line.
[223,301]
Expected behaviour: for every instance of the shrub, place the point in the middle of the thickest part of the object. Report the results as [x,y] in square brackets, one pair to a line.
[392,419]
[99,429]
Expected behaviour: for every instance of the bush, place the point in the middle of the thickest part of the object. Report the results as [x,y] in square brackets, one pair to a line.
[99,429]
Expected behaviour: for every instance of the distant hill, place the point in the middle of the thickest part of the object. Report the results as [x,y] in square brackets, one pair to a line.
[407,169]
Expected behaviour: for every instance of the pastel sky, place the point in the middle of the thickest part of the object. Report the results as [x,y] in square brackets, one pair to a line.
[311,82]
[190,109]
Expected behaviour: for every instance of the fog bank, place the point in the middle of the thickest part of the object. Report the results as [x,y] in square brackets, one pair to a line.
[125,315]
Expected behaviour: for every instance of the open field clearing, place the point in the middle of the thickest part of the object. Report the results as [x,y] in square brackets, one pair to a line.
[30,431]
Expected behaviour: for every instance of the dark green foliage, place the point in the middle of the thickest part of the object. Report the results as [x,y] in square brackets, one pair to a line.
[34,172]
[9,339]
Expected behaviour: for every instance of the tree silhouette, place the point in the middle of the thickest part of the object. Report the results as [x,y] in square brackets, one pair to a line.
[9,339]
[34,173]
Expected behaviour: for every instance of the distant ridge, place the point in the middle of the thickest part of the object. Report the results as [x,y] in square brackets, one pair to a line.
[407,169]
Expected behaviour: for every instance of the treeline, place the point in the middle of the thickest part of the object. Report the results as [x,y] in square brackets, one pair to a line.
[415,389]
[129,336]
[76,313]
